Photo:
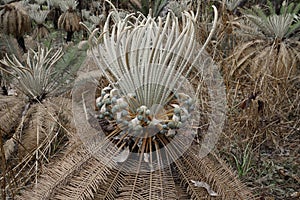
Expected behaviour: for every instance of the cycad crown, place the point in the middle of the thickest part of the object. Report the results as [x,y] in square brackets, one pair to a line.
[279,26]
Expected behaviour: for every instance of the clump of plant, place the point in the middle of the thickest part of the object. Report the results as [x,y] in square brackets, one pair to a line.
[37,78]
[272,41]
[37,120]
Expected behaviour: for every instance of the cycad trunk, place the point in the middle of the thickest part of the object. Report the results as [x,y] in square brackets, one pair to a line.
[21,43]
[56,14]
[69,36]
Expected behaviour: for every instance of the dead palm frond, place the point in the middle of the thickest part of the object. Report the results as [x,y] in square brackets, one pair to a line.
[80,175]
[32,135]
[10,110]
[141,152]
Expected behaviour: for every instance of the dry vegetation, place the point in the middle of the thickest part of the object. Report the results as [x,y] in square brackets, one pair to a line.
[43,49]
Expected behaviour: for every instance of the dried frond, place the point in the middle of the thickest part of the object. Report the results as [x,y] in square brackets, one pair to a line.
[40,32]
[260,58]
[14,20]
[159,184]
[42,130]
[215,172]
[11,109]
[77,175]
[69,21]
[40,126]
[9,148]
[110,189]
[65,179]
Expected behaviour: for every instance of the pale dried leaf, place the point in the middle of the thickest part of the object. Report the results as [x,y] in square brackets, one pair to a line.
[206,186]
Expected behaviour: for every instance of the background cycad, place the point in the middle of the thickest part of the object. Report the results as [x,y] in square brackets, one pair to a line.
[39,16]
[69,20]
[273,39]
[14,20]
[276,25]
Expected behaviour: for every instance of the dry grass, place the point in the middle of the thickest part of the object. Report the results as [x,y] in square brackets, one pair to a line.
[262,77]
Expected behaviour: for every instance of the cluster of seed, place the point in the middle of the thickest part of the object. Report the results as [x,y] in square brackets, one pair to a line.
[113,106]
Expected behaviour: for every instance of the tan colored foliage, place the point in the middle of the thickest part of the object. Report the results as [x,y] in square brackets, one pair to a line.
[69,21]
[14,20]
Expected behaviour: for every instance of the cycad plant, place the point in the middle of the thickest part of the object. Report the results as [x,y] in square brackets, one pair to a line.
[14,20]
[34,124]
[275,25]
[69,20]
[142,149]
[271,44]
[39,16]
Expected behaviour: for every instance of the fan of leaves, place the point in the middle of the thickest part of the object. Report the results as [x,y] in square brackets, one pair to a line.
[274,25]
